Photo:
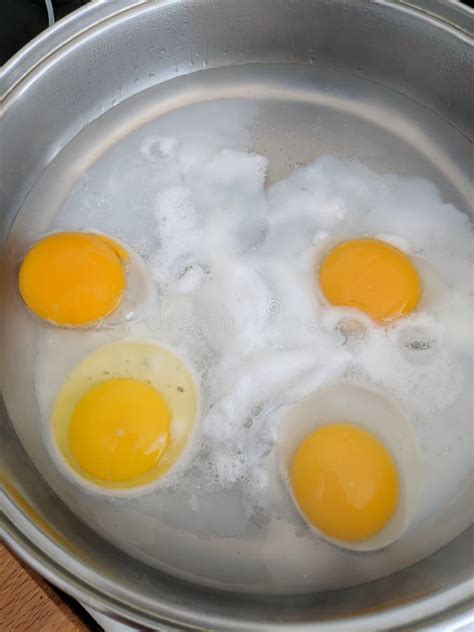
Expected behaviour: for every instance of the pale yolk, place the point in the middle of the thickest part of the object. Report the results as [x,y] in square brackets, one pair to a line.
[372,276]
[119,429]
[345,482]
[73,279]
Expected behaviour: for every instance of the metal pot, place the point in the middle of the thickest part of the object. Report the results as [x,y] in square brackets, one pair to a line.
[416,60]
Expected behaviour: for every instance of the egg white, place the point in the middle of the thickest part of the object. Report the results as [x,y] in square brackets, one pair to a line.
[139,299]
[434,289]
[371,409]
[144,361]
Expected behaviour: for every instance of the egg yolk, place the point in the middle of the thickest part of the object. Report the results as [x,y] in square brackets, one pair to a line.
[372,276]
[345,482]
[73,279]
[119,429]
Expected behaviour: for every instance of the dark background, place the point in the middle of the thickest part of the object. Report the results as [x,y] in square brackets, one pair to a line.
[22,20]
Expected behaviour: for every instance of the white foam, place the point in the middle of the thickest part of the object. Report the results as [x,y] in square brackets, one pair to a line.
[256,309]
[234,268]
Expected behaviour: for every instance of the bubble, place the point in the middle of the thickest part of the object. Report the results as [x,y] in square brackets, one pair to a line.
[417,345]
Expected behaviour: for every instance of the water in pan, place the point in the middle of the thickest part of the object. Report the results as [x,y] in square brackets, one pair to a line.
[291,163]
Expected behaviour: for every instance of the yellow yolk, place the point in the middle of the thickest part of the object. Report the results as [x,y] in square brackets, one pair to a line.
[345,482]
[119,429]
[73,279]
[372,276]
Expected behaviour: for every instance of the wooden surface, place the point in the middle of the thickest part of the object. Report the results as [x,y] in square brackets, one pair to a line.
[29,604]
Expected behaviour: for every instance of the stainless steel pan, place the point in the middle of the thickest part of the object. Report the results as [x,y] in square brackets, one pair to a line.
[396,73]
